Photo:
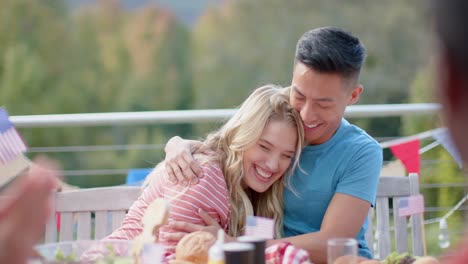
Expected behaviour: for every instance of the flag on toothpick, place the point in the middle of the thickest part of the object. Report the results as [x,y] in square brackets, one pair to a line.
[411,205]
[11,144]
[260,227]
[12,160]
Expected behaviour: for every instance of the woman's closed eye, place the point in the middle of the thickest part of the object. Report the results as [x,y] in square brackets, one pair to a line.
[264,147]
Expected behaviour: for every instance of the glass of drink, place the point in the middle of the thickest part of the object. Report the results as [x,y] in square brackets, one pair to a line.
[237,252]
[342,251]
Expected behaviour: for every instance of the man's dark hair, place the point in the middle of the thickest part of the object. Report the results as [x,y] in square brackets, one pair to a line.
[451,20]
[331,50]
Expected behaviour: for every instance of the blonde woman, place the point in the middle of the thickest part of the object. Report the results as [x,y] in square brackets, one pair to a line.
[246,164]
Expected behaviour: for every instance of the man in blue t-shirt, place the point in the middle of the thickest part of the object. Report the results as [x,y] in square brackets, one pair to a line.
[344,170]
[332,194]
[342,163]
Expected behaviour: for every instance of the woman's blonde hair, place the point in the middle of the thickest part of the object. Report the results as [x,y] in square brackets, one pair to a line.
[228,144]
[241,132]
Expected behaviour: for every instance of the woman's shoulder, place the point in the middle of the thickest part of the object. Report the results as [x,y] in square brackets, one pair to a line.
[212,171]
[211,167]
[209,163]
[212,184]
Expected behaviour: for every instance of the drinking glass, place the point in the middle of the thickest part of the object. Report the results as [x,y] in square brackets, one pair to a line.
[342,251]
[238,252]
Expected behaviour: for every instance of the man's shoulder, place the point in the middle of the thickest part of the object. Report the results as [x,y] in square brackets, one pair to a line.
[357,137]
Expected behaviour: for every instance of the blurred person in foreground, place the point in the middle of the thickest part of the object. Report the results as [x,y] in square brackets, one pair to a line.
[451,23]
[341,163]
[25,207]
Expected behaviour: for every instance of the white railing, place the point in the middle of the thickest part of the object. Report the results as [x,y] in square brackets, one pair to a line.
[199,116]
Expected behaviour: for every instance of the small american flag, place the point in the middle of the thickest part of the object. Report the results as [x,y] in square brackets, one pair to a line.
[260,227]
[411,205]
[11,144]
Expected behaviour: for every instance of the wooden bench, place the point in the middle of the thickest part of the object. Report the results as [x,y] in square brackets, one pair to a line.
[390,191]
[75,208]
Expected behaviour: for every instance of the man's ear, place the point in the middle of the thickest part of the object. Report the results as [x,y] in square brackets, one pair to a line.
[355,94]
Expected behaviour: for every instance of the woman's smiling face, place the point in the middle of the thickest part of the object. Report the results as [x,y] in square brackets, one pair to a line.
[268,159]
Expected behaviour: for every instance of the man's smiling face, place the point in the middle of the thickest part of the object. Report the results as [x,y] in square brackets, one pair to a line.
[321,100]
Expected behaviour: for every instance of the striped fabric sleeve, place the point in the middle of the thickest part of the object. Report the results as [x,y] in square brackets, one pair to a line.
[132,225]
[209,194]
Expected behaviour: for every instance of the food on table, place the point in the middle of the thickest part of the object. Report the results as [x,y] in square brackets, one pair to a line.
[156,215]
[61,258]
[370,261]
[116,260]
[194,247]
[350,259]
[406,258]
[180,262]
[426,260]
[107,255]
[112,258]
[395,258]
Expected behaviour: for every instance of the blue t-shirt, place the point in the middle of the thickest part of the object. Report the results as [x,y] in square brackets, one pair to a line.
[348,163]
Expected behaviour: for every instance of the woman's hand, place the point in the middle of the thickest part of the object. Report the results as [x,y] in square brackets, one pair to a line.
[179,162]
[184,228]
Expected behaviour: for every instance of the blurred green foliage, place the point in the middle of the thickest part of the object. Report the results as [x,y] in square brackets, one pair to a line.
[99,58]
[437,166]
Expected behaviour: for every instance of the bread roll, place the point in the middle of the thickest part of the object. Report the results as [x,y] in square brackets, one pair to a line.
[156,215]
[370,261]
[175,261]
[426,260]
[358,259]
[194,247]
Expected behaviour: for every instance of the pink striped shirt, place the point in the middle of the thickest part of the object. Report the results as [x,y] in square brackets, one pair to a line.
[210,194]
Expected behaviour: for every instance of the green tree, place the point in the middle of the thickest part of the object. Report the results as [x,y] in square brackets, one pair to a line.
[131,61]
[244,44]
[86,62]
[30,52]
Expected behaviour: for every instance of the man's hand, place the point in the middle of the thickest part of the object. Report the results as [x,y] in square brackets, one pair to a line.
[179,162]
